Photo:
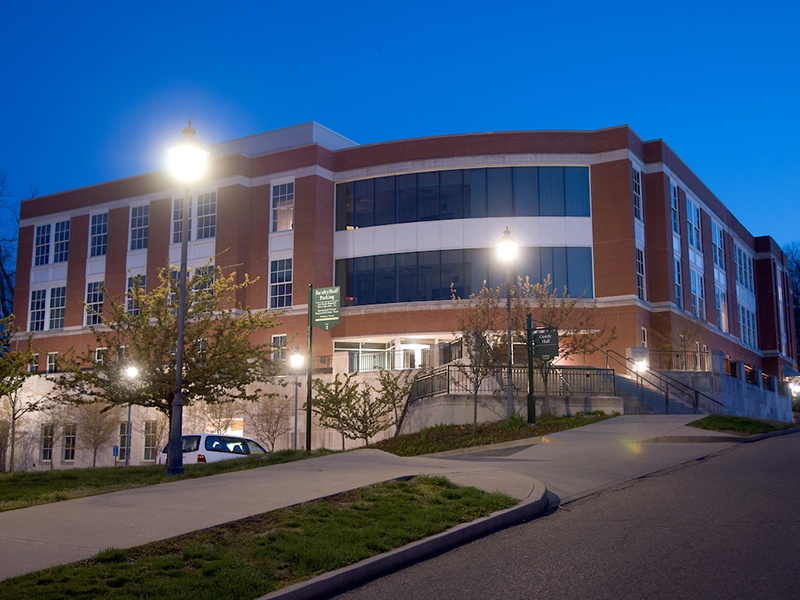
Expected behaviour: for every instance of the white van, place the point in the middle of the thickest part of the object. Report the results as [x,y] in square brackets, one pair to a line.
[211,447]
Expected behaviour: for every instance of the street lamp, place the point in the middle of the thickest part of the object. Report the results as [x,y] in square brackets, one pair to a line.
[296,360]
[131,373]
[507,248]
[187,159]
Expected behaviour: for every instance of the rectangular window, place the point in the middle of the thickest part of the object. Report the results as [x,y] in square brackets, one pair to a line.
[48,435]
[98,235]
[717,248]
[33,366]
[206,215]
[38,308]
[177,220]
[640,287]
[698,295]
[41,246]
[693,221]
[644,337]
[283,207]
[137,282]
[721,300]
[70,437]
[94,303]
[150,439]
[279,351]
[744,268]
[676,227]
[124,440]
[637,193]
[61,239]
[52,362]
[678,284]
[100,355]
[747,327]
[58,302]
[280,283]
[140,224]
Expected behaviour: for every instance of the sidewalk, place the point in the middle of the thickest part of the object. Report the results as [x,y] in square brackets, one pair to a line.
[572,464]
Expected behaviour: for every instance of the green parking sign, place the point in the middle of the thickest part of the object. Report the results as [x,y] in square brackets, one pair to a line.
[325,308]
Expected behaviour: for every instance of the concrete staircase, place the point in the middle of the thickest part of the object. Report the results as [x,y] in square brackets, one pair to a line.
[646,400]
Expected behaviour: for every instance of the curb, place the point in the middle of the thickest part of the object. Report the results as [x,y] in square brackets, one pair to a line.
[376,566]
[485,448]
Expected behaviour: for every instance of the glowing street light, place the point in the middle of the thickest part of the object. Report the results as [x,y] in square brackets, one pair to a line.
[507,248]
[187,159]
[131,373]
[296,360]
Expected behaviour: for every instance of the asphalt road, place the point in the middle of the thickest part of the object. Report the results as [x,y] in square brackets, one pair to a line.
[727,526]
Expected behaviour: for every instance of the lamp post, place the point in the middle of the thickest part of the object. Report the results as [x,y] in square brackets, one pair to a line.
[296,360]
[187,159]
[507,248]
[130,372]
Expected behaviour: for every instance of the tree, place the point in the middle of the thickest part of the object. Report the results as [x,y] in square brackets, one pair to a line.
[478,318]
[9,231]
[14,374]
[333,401]
[219,415]
[221,360]
[97,426]
[365,416]
[269,419]
[395,393]
[579,327]
[792,251]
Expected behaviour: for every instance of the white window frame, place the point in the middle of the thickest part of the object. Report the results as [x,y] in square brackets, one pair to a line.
[177,219]
[95,298]
[279,283]
[721,300]
[125,431]
[33,366]
[717,245]
[37,311]
[279,343]
[52,362]
[130,305]
[282,204]
[676,215]
[70,438]
[641,282]
[48,442]
[748,332]
[678,283]
[51,243]
[695,232]
[698,295]
[139,227]
[636,185]
[98,235]
[150,451]
[744,268]
[206,216]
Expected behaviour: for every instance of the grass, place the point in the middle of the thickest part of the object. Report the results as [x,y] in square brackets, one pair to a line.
[452,437]
[742,426]
[254,556]
[18,490]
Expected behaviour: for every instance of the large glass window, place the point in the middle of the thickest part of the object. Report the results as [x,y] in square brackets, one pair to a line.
[747,327]
[636,177]
[38,309]
[140,224]
[280,283]
[41,246]
[98,235]
[206,215]
[698,295]
[124,440]
[70,437]
[721,301]
[282,207]
[676,227]
[678,284]
[463,193]
[61,242]
[94,303]
[48,437]
[58,303]
[640,287]
[177,221]
[744,268]
[717,245]
[136,282]
[150,439]
[421,276]
[693,222]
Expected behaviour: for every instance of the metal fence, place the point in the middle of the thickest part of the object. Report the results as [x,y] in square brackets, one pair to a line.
[679,361]
[360,362]
[561,381]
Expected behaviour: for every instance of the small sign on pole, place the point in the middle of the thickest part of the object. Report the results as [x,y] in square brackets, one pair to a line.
[325,308]
[545,344]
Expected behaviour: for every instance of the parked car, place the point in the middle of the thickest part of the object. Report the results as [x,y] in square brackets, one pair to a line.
[209,447]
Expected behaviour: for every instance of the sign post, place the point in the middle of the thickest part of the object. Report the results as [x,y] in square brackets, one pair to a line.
[323,312]
[545,349]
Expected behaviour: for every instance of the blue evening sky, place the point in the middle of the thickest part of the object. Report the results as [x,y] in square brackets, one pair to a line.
[94,91]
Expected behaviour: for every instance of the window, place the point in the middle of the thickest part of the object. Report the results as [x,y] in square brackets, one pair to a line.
[41,246]
[698,295]
[637,193]
[52,363]
[58,302]
[136,284]
[70,437]
[280,286]
[38,304]
[283,207]
[693,220]
[100,355]
[150,439]
[61,246]
[717,248]
[721,300]
[678,284]
[140,224]
[206,215]
[640,289]
[94,303]
[676,227]
[644,337]
[204,280]
[747,327]
[98,235]
[124,440]
[177,220]
[744,268]
[33,366]
[48,435]
[279,351]
[781,318]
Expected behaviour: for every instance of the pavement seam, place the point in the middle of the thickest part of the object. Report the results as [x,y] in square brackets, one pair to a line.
[370,568]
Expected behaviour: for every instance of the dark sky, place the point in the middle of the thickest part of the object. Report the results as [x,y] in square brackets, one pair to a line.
[94,91]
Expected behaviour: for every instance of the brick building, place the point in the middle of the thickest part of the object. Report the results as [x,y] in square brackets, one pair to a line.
[396,223]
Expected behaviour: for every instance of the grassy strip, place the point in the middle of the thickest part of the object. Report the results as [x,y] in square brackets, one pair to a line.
[18,490]
[742,426]
[452,437]
[254,556]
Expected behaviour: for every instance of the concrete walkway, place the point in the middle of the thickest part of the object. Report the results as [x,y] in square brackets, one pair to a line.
[572,464]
